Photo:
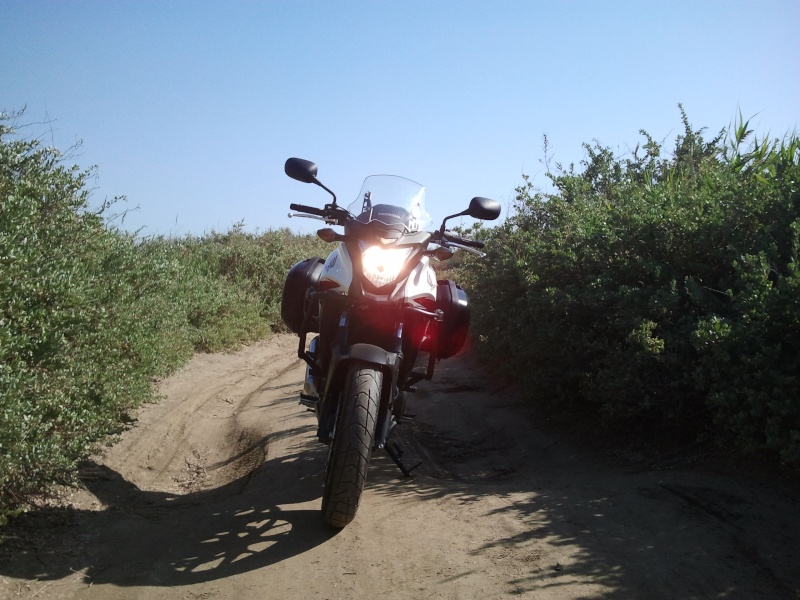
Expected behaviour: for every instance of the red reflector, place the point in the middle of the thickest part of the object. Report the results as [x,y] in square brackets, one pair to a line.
[427,303]
[326,285]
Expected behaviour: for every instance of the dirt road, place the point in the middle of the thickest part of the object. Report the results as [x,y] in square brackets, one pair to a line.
[215,493]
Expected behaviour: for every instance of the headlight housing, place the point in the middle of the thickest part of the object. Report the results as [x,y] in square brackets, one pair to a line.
[381,266]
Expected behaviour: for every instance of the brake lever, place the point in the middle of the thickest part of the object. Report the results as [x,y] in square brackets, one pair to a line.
[305,216]
[467,248]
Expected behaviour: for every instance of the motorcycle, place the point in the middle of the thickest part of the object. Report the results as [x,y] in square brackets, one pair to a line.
[377,309]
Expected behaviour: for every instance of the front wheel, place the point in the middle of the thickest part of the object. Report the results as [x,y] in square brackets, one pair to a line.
[351,447]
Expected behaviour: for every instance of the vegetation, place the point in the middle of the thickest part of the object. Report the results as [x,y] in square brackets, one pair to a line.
[90,315]
[644,291]
[657,293]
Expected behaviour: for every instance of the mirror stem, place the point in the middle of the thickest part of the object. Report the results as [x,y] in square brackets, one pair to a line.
[319,183]
[461,214]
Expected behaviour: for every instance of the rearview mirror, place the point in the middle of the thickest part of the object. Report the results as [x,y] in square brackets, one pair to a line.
[479,208]
[305,171]
[301,170]
[483,208]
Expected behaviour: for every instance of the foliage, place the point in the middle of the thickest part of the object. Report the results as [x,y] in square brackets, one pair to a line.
[660,292]
[90,315]
[657,292]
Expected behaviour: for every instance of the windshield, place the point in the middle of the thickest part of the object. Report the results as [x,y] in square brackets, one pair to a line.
[391,200]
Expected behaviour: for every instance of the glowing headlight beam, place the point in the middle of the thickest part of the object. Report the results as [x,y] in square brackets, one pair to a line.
[382,266]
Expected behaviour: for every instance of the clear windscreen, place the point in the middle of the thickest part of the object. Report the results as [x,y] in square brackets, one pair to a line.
[391,200]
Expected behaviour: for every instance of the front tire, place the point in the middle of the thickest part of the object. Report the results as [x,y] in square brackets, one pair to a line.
[351,447]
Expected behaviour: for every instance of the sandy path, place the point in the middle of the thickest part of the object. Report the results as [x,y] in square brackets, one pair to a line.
[215,493]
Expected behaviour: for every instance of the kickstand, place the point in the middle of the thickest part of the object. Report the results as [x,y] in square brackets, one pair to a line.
[394,451]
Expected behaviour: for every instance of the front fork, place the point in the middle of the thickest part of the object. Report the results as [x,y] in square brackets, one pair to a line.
[325,402]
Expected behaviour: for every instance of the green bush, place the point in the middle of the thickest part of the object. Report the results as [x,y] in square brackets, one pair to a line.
[91,315]
[254,265]
[58,373]
[648,291]
[657,292]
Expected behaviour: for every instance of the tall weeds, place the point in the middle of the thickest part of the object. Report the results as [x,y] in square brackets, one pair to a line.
[90,315]
[658,293]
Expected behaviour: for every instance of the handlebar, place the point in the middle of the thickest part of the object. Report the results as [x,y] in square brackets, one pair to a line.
[335,216]
[308,209]
[463,241]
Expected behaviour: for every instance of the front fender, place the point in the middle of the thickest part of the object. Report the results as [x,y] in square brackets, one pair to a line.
[383,360]
[375,355]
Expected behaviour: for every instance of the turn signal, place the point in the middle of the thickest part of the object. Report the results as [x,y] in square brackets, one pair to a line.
[327,235]
[442,253]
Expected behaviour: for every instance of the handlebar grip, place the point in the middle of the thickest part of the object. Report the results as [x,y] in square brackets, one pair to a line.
[473,243]
[307,209]
[464,242]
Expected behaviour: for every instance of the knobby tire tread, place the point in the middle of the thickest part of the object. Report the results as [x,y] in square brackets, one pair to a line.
[349,457]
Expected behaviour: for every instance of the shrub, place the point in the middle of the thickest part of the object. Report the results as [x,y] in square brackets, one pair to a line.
[63,371]
[655,291]
[90,315]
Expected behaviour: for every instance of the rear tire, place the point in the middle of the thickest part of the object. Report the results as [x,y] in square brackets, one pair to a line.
[351,447]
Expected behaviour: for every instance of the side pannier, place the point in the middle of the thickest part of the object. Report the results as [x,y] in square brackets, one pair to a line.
[453,330]
[303,276]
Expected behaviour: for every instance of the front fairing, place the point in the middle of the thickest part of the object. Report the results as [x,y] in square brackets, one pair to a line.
[337,272]
[419,285]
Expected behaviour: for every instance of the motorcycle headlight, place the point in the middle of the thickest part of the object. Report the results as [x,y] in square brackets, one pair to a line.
[382,266]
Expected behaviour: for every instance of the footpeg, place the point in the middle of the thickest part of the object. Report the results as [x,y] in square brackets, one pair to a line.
[407,418]
[310,402]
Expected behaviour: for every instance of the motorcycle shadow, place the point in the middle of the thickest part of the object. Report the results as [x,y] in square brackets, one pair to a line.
[147,538]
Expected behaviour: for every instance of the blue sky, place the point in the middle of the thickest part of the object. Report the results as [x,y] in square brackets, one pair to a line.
[191,108]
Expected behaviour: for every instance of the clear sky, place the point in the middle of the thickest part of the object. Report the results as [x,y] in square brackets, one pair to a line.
[190,108]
